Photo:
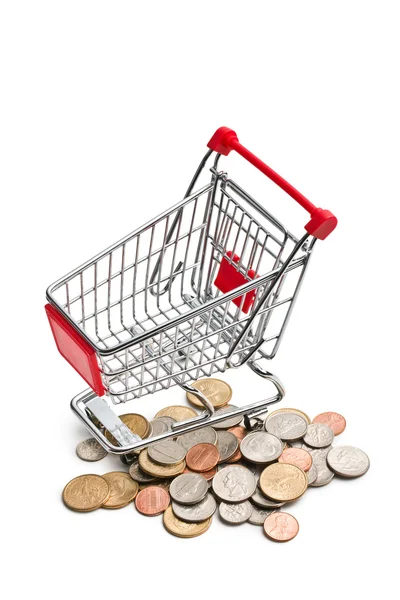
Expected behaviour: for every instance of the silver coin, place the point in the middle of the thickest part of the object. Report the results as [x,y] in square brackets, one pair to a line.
[255,469]
[234,483]
[169,421]
[227,444]
[261,447]
[312,474]
[231,422]
[318,435]
[324,474]
[348,461]
[263,502]
[138,475]
[166,453]
[286,426]
[90,450]
[236,513]
[195,512]
[205,435]
[188,488]
[158,426]
[258,515]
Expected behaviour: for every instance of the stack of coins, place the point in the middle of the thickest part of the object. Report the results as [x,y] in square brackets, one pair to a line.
[248,475]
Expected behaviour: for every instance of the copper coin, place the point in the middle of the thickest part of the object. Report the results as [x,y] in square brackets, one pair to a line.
[202,457]
[335,421]
[208,475]
[235,458]
[296,456]
[281,527]
[152,500]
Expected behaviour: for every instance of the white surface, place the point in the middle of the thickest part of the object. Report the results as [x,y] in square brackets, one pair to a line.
[106,109]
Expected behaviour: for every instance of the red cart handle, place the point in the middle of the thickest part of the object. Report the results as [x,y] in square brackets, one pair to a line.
[322,222]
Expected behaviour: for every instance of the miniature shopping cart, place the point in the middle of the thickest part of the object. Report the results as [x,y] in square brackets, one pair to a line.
[207,285]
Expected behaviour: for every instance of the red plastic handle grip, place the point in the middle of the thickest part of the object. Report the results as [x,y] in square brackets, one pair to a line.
[322,222]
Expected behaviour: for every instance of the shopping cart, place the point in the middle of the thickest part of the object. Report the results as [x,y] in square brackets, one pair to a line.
[209,284]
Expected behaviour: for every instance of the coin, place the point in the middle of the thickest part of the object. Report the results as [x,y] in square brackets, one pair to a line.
[318,435]
[156,470]
[236,513]
[152,501]
[205,435]
[286,425]
[296,456]
[183,529]
[263,502]
[261,447]
[235,457]
[90,450]
[167,452]
[258,515]
[240,433]
[169,421]
[231,421]
[234,484]
[208,475]
[188,488]
[136,423]
[86,492]
[312,474]
[348,461]
[138,475]
[179,413]
[202,457]
[196,512]
[292,410]
[227,444]
[216,391]
[158,427]
[283,482]
[333,419]
[281,527]
[122,489]
[324,474]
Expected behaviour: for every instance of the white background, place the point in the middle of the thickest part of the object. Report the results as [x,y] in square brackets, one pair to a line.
[106,109]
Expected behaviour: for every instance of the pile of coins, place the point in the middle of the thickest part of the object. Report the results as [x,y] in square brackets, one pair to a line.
[248,474]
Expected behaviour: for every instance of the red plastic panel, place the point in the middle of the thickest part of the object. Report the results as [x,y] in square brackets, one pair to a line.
[229,278]
[75,350]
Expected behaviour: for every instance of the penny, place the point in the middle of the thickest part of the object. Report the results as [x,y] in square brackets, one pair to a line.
[86,493]
[261,447]
[156,470]
[158,426]
[90,450]
[205,435]
[324,474]
[348,461]
[283,482]
[258,515]
[122,489]
[263,502]
[333,419]
[296,456]
[196,512]
[312,474]
[227,444]
[152,501]
[183,529]
[208,475]
[281,527]
[286,426]
[216,391]
[167,452]
[236,513]
[136,423]
[235,458]
[234,484]
[231,421]
[188,488]
[202,457]
[179,413]
[292,410]
[318,435]
[138,475]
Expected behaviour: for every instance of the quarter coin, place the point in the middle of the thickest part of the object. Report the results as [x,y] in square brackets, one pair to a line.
[318,435]
[348,461]
[205,435]
[234,484]
[231,421]
[90,450]
[227,444]
[202,457]
[287,426]
[216,391]
[236,513]
[258,515]
[188,488]
[261,447]
[281,527]
[283,482]
[156,470]
[292,410]
[196,513]
[167,452]
[263,502]
[86,493]
[183,529]
[122,489]
[179,413]
[296,456]
[158,427]
[152,501]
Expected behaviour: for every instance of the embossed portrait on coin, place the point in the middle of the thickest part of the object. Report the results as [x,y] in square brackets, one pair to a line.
[261,446]
[281,525]
[349,459]
[235,483]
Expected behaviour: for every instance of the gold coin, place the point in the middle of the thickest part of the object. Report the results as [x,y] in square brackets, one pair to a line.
[283,482]
[218,392]
[86,492]
[181,528]
[179,413]
[122,489]
[136,423]
[292,410]
[156,470]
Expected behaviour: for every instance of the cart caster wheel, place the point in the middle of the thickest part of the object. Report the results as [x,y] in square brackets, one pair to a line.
[128,459]
[254,424]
